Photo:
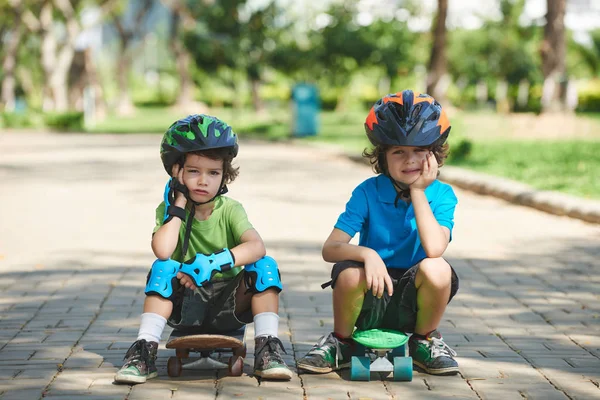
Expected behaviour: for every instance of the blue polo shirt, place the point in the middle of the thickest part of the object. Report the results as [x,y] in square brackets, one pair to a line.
[389,230]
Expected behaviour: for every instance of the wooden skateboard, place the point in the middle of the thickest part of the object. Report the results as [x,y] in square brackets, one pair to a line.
[206,344]
[384,350]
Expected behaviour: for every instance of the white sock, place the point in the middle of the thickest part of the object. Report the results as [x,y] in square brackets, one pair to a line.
[266,324]
[151,327]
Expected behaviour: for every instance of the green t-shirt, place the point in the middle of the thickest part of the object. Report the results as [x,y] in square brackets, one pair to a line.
[223,229]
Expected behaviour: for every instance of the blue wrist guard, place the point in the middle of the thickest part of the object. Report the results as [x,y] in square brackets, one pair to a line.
[201,267]
[163,280]
[262,275]
[169,197]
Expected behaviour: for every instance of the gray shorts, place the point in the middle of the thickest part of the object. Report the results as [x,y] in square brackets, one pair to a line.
[209,309]
[398,312]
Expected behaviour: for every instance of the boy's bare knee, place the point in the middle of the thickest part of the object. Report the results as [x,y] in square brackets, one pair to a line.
[435,272]
[351,278]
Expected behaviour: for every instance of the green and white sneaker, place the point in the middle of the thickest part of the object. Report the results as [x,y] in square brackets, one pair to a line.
[139,363]
[268,363]
[329,354]
[432,355]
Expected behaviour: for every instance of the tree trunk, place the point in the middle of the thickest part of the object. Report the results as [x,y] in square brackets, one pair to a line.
[257,103]
[48,50]
[59,79]
[553,53]
[8,67]
[125,104]
[94,82]
[437,60]
[183,59]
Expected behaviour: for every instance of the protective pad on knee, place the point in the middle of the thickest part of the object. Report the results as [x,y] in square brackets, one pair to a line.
[162,278]
[202,267]
[263,275]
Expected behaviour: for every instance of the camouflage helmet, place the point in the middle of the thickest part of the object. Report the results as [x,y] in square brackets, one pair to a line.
[196,132]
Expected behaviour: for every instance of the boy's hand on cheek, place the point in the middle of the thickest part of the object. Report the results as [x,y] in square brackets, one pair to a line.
[429,169]
[177,173]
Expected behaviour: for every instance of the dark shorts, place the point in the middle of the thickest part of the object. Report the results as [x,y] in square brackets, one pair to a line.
[397,312]
[209,309]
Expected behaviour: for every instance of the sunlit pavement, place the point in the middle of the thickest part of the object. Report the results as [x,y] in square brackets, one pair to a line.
[76,216]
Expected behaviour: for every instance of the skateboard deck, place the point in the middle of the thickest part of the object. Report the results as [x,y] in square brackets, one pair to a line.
[207,344]
[383,350]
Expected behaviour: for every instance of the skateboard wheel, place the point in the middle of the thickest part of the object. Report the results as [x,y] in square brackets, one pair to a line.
[236,366]
[174,367]
[359,350]
[360,369]
[403,369]
[240,351]
[182,353]
[397,352]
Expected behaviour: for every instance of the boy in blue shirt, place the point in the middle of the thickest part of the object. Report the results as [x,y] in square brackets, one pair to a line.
[395,277]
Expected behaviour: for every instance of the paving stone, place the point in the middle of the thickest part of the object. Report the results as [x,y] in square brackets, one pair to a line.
[525,321]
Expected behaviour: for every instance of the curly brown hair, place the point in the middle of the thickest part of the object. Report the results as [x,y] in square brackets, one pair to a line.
[229,171]
[376,156]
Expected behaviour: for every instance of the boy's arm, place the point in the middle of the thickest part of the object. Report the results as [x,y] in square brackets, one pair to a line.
[250,250]
[434,237]
[337,248]
[165,239]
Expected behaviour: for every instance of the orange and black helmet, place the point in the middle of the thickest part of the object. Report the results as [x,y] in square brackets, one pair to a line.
[407,119]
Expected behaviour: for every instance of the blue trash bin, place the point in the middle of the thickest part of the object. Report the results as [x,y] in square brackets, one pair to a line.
[305,98]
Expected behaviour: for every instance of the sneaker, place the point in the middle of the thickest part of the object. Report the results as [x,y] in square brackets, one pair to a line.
[432,355]
[268,363]
[139,363]
[329,354]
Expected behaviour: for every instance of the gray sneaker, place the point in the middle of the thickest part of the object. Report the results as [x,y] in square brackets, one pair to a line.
[432,355]
[139,363]
[329,354]
[268,363]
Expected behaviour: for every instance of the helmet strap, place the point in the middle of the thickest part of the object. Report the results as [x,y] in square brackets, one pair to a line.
[403,190]
[188,224]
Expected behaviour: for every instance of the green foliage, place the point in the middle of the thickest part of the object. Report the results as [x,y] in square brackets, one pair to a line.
[390,45]
[588,54]
[17,120]
[460,149]
[145,120]
[589,97]
[344,47]
[66,121]
[231,34]
[499,50]
[329,98]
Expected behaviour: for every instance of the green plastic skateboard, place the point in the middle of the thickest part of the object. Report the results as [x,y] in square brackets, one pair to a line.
[385,350]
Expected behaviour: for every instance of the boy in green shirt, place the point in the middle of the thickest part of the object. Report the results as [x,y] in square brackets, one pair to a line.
[200,236]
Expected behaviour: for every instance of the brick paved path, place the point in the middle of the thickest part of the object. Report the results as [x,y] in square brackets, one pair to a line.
[76,214]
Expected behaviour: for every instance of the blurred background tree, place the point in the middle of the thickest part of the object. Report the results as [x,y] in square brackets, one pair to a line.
[194,55]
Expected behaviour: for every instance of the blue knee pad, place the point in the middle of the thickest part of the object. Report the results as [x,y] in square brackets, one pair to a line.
[200,268]
[162,277]
[263,275]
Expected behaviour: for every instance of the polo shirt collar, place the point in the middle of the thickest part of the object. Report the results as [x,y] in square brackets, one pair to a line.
[386,192]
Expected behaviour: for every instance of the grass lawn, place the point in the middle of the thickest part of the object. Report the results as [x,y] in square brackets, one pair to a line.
[550,153]
[571,166]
